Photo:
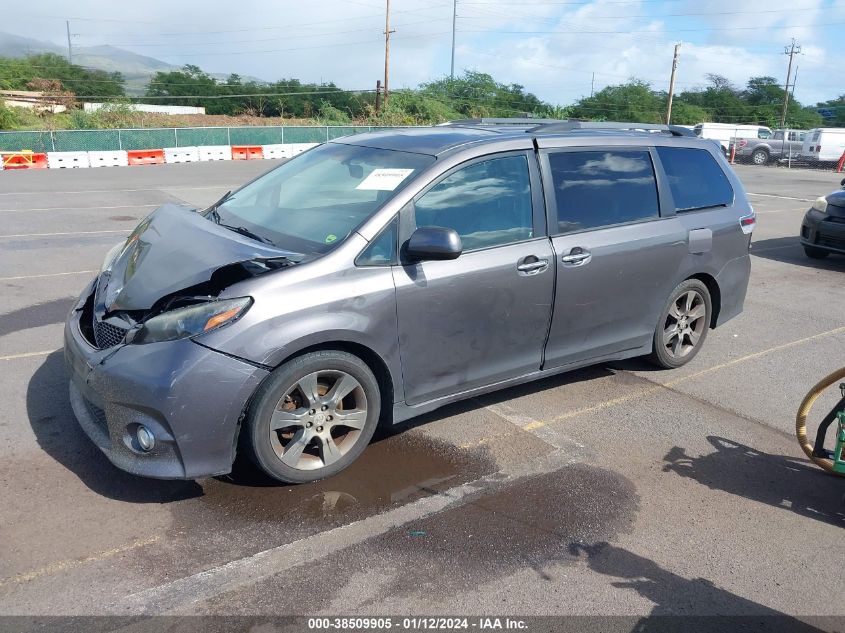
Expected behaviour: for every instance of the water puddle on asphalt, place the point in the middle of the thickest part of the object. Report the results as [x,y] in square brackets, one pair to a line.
[391,472]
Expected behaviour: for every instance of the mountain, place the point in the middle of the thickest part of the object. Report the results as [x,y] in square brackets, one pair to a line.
[136,69]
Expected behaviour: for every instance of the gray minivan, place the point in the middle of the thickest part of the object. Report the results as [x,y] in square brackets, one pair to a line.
[383,275]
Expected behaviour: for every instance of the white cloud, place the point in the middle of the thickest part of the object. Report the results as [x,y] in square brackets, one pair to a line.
[342,41]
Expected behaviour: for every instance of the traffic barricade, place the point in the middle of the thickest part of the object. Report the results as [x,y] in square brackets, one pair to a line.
[145,156]
[247,152]
[24,159]
[67,160]
[115,158]
[214,152]
[181,155]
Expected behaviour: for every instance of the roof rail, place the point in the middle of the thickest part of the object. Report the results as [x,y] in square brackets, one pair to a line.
[568,126]
[501,121]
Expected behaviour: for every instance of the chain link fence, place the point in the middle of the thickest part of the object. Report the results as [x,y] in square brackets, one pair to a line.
[155,138]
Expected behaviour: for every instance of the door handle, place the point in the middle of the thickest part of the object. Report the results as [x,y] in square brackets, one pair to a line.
[576,257]
[531,265]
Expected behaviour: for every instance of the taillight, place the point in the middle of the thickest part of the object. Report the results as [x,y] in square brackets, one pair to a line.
[819,149]
[748,222]
[743,143]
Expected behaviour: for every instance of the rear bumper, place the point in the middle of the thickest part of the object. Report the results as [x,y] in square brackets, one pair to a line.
[189,396]
[733,285]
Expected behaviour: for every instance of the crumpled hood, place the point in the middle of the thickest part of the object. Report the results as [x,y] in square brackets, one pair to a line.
[837,198]
[171,249]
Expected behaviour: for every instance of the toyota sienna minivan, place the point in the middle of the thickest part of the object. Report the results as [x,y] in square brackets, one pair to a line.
[383,275]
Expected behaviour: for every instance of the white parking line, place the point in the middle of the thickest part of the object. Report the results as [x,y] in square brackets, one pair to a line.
[41,193]
[771,195]
[60,234]
[89,208]
[28,355]
[75,272]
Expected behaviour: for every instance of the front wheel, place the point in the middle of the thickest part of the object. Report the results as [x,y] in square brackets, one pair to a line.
[313,417]
[683,325]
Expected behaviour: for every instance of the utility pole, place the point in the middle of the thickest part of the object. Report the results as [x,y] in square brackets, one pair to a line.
[790,50]
[454,23]
[387,33]
[672,83]
[69,49]
[592,85]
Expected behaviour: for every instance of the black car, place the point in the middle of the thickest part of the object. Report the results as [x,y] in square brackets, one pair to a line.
[823,227]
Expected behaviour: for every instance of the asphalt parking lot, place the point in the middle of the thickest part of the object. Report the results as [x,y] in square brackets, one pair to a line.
[615,490]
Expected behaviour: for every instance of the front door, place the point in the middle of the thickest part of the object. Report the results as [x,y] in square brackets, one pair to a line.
[483,317]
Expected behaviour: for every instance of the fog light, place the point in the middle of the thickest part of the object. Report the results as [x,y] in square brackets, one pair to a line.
[146,439]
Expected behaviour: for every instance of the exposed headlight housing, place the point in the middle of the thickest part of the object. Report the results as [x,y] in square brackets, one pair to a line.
[111,256]
[820,204]
[191,321]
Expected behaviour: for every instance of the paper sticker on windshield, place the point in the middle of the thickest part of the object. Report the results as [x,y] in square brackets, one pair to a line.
[384,179]
[331,237]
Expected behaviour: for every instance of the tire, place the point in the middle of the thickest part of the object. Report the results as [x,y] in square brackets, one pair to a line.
[673,348]
[760,157]
[815,253]
[309,440]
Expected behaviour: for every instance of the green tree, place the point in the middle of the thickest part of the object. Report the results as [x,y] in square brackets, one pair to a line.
[84,83]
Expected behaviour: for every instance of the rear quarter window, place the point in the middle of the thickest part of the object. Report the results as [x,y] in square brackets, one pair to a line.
[695,178]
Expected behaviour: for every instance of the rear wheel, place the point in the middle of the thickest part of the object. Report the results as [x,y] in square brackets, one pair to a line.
[683,325]
[313,417]
[815,253]
[760,157]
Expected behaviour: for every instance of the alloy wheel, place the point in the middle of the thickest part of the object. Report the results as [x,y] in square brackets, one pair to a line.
[684,323]
[318,420]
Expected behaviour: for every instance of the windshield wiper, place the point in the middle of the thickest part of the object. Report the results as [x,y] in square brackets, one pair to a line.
[212,210]
[242,230]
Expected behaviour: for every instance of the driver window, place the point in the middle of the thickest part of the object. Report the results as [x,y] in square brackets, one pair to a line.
[488,203]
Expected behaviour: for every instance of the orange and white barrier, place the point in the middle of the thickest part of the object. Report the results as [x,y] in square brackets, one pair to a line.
[24,159]
[27,159]
[145,156]
[247,152]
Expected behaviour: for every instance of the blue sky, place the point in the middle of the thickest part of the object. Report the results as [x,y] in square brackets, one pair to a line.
[551,47]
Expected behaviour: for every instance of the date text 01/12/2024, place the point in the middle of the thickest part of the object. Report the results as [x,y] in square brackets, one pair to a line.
[415,623]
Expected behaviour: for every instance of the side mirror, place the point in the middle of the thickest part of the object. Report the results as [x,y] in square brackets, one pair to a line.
[430,243]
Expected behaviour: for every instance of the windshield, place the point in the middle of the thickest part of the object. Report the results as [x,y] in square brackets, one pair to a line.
[312,203]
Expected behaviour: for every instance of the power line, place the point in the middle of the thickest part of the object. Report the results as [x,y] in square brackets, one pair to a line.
[729,28]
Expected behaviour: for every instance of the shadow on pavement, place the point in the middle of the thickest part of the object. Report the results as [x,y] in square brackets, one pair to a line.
[59,434]
[781,481]
[36,316]
[680,603]
[789,251]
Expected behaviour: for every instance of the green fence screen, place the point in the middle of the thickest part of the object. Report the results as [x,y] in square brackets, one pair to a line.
[154,138]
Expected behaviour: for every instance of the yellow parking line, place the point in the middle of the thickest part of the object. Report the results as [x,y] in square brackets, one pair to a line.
[76,562]
[75,272]
[27,355]
[742,359]
[658,387]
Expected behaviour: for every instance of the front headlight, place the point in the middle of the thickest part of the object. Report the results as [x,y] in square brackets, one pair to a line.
[820,204]
[190,321]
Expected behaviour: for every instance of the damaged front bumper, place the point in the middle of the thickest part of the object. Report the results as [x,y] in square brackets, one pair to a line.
[190,397]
